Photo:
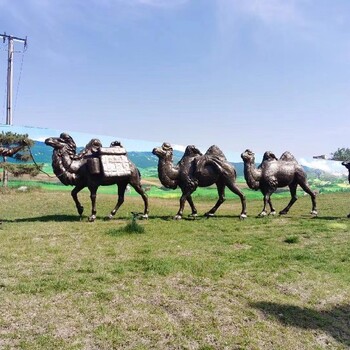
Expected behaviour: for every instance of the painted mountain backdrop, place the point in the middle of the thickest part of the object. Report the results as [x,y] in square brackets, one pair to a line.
[139,151]
[143,160]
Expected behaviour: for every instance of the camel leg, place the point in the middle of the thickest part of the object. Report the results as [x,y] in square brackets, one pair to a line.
[121,194]
[272,209]
[221,193]
[308,190]
[186,196]
[293,193]
[93,194]
[74,195]
[193,208]
[233,187]
[267,201]
[143,194]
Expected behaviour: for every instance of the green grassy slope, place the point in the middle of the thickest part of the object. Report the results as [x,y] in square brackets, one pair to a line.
[220,283]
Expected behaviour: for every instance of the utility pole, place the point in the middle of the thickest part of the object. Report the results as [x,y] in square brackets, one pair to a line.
[10,39]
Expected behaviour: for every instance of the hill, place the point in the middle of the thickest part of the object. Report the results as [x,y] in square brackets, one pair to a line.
[147,162]
[140,152]
[143,160]
[43,154]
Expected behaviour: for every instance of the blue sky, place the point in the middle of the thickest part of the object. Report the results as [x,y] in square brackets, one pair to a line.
[265,75]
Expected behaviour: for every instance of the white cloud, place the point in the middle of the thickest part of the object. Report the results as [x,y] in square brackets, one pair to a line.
[332,167]
[179,147]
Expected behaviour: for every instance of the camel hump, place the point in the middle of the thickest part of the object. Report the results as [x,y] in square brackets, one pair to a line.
[192,150]
[288,157]
[215,151]
[216,158]
[268,155]
[68,140]
[93,145]
[116,144]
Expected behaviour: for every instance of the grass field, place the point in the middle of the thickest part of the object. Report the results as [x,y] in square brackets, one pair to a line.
[218,283]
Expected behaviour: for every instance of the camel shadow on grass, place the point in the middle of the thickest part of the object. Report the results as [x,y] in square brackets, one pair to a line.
[62,218]
[46,218]
[335,321]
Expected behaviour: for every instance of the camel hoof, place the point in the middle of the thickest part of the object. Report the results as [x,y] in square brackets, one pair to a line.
[262,214]
[273,213]
[92,218]
[177,217]
[243,216]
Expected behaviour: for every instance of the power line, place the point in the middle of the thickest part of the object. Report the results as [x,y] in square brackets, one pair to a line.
[19,79]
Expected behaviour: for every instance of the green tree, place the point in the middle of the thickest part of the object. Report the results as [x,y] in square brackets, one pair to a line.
[341,154]
[16,146]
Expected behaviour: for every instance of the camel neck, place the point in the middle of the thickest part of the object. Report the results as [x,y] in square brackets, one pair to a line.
[168,174]
[62,167]
[252,175]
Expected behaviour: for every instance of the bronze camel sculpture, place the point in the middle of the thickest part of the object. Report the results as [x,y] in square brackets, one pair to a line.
[73,169]
[347,166]
[197,170]
[274,173]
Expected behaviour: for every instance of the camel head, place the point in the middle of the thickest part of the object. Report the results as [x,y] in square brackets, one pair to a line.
[164,152]
[346,164]
[64,143]
[248,156]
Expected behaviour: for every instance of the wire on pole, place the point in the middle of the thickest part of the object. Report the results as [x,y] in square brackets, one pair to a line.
[10,39]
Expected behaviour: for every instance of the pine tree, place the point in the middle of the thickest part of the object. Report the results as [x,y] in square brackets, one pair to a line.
[342,154]
[14,141]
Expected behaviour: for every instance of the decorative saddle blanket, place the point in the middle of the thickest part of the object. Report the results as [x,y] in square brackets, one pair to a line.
[112,161]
